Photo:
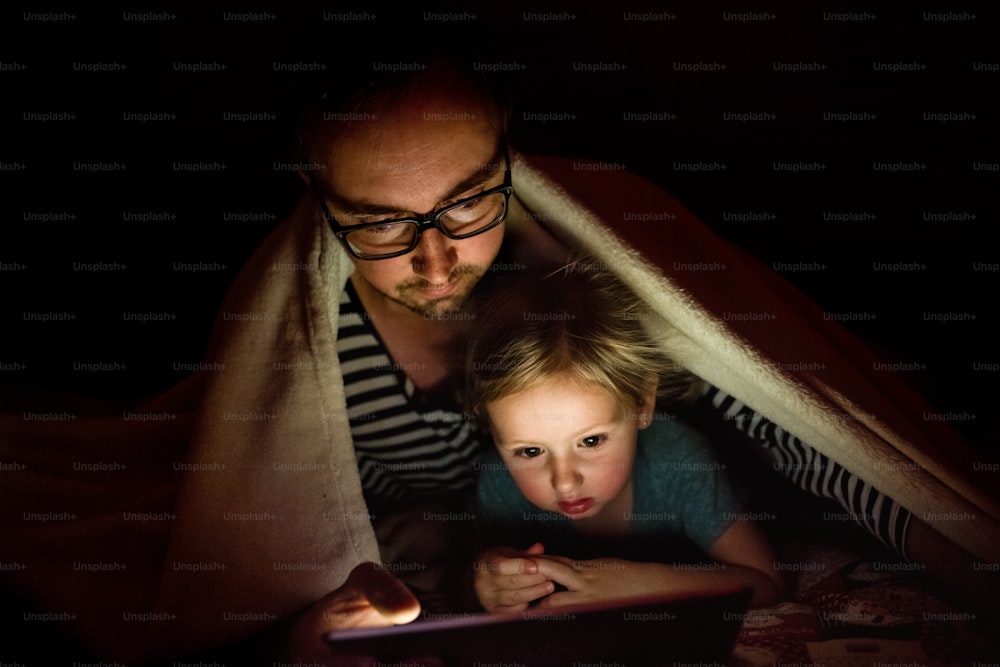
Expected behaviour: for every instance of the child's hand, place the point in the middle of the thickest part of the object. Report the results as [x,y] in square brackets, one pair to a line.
[593,580]
[741,555]
[508,580]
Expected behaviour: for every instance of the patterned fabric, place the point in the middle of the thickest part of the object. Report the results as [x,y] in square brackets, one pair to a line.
[852,608]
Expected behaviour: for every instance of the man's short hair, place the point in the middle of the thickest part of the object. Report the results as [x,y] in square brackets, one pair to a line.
[362,83]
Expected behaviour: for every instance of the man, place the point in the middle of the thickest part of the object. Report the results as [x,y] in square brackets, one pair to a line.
[330,423]
[433,150]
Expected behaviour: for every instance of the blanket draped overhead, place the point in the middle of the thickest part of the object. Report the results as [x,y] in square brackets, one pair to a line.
[238,499]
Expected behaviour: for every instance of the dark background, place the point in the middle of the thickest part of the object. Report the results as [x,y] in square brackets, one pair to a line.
[39,74]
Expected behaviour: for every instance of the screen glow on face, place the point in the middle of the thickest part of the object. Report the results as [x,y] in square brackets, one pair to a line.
[569,446]
[433,274]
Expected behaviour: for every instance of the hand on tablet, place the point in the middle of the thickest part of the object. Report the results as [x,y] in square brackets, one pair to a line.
[508,580]
[735,566]
[370,597]
[593,580]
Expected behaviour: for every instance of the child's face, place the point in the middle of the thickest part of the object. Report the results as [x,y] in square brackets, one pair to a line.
[569,446]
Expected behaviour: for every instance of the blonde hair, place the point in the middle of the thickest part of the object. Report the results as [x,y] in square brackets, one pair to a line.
[580,320]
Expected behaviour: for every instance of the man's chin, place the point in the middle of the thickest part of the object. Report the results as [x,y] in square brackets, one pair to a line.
[446,308]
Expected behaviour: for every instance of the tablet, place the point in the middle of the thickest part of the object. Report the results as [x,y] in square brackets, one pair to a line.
[638,631]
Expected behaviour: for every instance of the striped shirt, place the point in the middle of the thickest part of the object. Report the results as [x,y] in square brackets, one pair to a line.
[407,449]
[813,472]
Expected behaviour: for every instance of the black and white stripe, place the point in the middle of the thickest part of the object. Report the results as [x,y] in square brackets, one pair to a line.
[405,452]
[817,474]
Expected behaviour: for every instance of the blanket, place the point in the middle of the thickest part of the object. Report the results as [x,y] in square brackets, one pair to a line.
[234,498]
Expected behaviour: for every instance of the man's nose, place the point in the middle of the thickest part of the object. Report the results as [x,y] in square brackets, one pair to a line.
[435,257]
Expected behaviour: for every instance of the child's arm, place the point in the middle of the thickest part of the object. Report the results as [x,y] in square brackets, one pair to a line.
[507,580]
[743,559]
[746,551]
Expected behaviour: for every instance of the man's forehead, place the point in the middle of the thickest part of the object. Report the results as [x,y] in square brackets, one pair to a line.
[482,153]
[386,170]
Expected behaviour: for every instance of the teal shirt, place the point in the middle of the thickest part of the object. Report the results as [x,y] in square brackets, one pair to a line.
[683,500]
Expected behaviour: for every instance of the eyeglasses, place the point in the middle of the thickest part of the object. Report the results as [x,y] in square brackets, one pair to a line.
[460,220]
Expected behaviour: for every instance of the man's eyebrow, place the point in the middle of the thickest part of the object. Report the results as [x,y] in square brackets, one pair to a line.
[484,173]
[481,175]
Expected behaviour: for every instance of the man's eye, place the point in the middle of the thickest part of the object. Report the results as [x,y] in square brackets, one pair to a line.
[367,218]
[593,440]
[384,229]
[528,452]
[471,205]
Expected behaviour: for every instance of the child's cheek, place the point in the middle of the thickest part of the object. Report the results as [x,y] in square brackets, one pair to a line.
[532,485]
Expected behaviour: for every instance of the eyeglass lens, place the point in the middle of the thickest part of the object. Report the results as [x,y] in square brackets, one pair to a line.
[462,220]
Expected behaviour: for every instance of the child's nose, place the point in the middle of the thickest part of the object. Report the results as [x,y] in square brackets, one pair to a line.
[565,476]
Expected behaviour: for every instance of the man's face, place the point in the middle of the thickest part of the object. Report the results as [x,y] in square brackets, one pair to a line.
[432,149]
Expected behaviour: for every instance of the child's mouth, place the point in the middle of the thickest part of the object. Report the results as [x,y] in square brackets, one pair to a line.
[576,506]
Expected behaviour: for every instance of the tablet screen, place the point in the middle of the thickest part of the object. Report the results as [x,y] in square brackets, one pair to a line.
[639,631]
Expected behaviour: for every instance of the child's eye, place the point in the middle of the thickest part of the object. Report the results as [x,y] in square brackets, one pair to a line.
[593,440]
[528,452]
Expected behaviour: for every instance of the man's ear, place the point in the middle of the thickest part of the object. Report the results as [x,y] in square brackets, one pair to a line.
[646,404]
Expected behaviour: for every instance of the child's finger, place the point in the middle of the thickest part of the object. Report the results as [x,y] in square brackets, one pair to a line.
[510,566]
[518,581]
[535,549]
[511,598]
[560,571]
[561,599]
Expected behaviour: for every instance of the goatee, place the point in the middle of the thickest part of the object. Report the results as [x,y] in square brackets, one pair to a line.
[407,293]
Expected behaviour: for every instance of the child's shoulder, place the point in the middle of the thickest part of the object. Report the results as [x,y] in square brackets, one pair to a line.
[669,437]
[671,448]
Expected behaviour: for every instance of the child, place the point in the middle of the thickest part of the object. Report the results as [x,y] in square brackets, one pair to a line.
[614,498]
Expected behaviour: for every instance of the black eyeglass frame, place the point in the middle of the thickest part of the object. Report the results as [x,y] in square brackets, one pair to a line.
[423,222]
